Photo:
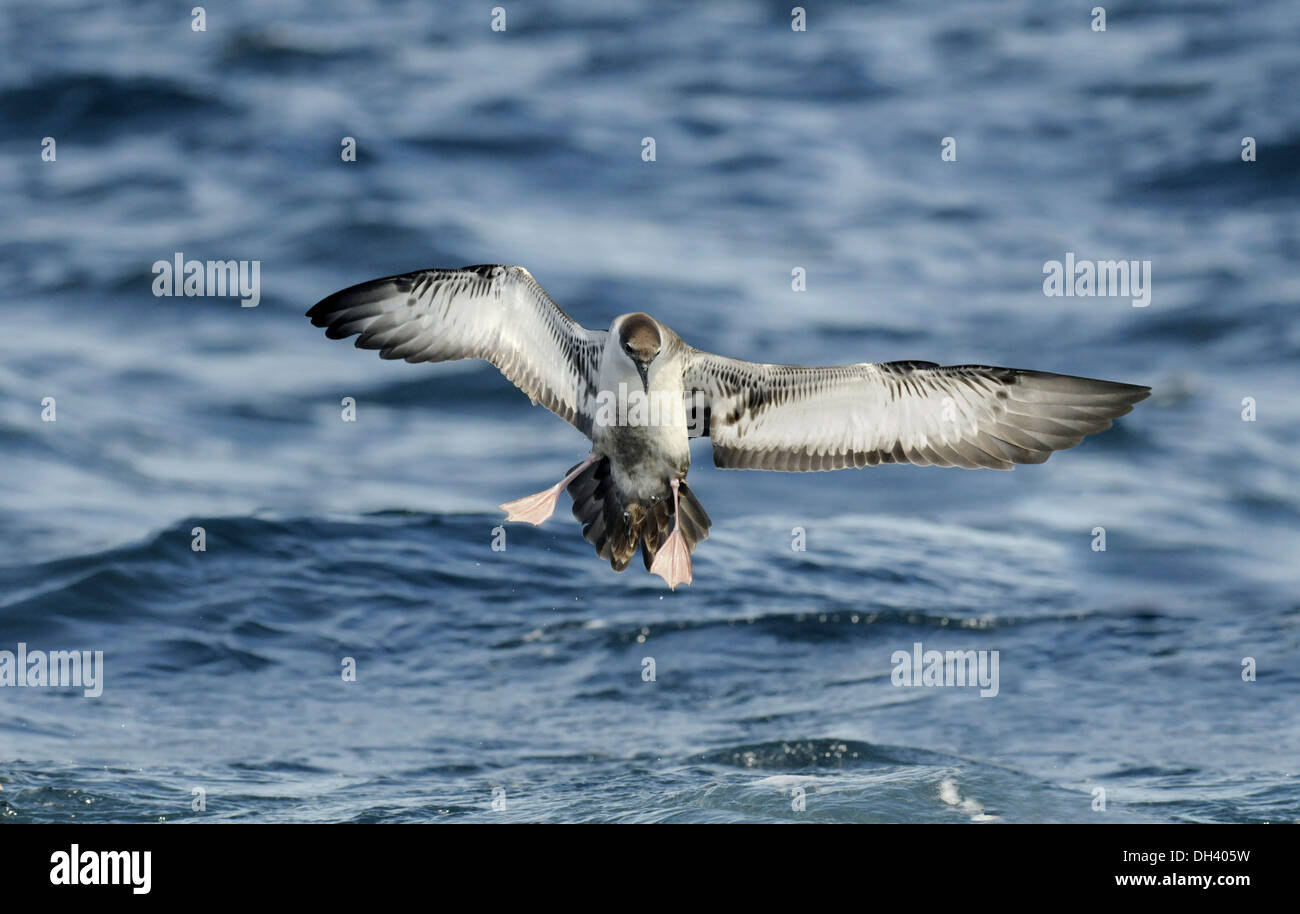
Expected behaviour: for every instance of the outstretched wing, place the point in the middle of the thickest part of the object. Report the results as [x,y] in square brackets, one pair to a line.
[785,417]
[491,312]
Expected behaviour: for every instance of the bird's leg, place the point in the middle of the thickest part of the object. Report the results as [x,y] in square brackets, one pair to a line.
[535,509]
[673,560]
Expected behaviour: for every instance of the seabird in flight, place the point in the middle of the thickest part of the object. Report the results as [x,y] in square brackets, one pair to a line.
[639,393]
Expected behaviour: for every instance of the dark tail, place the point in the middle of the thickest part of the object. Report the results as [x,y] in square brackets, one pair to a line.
[617,529]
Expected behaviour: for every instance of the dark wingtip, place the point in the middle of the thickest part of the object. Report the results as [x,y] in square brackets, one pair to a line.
[321,312]
[332,307]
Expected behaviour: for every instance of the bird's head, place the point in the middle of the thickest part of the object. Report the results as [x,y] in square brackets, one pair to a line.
[639,340]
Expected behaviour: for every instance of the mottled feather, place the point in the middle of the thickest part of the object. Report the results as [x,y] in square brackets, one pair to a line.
[491,312]
[803,419]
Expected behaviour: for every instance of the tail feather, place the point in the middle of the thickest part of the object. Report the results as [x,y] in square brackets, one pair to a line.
[659,523]
[617,529]
[695,520]
[597,505]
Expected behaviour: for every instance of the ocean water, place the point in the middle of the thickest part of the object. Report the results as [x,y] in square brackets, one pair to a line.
[514,685]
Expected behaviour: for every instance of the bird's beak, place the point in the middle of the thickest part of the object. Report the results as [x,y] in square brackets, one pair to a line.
[643,369]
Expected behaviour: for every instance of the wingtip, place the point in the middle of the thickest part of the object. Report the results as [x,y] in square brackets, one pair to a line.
[321,312]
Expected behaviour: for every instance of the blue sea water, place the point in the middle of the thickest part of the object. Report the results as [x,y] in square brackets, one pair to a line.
[517,675]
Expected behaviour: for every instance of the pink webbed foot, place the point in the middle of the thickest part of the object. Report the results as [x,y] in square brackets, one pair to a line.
[537,509]
[673,560]
[533,509]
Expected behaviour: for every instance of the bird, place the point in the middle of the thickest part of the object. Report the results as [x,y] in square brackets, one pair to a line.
[640,393]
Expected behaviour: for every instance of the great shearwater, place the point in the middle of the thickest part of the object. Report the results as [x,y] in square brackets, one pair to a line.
[638,392]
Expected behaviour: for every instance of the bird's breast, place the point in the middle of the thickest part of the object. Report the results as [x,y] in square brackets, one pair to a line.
[644,455]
